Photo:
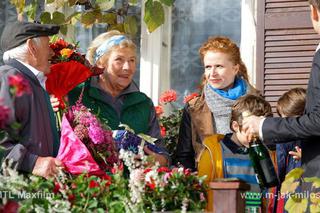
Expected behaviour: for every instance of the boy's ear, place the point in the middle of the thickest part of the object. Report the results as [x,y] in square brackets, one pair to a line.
[314,13]
[235,126]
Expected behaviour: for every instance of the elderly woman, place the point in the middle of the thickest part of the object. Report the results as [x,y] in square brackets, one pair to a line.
[225,79]
[113,96]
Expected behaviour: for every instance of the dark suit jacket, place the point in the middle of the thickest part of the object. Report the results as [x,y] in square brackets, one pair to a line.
[306,127]
[34,136]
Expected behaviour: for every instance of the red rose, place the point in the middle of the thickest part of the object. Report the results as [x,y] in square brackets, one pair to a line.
[93,184]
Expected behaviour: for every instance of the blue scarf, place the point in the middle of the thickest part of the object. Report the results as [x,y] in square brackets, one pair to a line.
[239,89]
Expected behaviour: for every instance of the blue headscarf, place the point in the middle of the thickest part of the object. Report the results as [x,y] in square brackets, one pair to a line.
[239,89]
[105,46]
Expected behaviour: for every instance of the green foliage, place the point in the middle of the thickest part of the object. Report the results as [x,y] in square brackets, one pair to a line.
[99,11]
[153,15]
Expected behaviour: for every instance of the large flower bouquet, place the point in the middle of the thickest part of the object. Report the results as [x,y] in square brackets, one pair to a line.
[69,68]
[86,144]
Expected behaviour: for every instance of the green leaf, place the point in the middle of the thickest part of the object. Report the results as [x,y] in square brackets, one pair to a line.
[109,18]
[50,1]
[45,18]
[58,18]
[64,29]
[133,2]
[296,204]
[289,186]
[130,25]
[154,15]
[295,173]
[75,15]
[88,18]
[167,2]
[105,4]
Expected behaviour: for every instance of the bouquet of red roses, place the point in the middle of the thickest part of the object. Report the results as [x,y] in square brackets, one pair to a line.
[86,144]
[69,68]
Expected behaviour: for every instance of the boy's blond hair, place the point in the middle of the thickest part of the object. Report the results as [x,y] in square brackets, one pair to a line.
[254,104]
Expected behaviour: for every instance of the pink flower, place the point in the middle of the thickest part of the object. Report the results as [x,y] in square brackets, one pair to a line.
[159,110]
[190,97]
[18,85]
[96,133]
[4,115]
[168,96]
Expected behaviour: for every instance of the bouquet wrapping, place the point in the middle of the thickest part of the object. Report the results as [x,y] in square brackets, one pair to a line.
[74,154]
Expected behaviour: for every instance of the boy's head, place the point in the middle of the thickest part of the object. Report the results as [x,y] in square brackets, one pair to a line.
[256,105]
[292,103]
[315,15]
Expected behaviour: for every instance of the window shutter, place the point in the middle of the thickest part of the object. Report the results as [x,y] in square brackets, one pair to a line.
[286,43]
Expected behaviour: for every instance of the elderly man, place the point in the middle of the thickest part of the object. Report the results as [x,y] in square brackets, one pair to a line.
[35,142]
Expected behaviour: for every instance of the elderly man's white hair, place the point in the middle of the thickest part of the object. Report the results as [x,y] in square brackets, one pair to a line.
[19,52]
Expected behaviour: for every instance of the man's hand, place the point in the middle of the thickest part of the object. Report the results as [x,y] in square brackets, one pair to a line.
[163,161]
[250,126]
[54,103]
[46,167]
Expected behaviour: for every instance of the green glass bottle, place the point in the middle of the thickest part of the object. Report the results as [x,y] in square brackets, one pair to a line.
[262,164]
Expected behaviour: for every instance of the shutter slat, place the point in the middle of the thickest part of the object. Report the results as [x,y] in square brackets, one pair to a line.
[291,59]
[267,1]
[288,65]
[287,4]
[286,81]
[287,54]
[291,48]
[286,76]
[283,87]
[290,37]
[288,71]
[287,10]
[290,32]
[290,43]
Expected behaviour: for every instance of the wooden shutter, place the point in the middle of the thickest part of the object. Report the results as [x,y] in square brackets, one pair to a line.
[286,43]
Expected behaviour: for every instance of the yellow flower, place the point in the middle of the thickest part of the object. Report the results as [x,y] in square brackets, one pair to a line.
[66,52]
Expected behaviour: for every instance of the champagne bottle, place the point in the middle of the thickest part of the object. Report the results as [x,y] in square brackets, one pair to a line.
[262,164]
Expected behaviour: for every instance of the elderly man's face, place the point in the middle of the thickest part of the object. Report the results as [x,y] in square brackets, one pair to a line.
[43,54]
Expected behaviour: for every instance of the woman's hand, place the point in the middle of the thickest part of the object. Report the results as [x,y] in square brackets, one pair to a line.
[296,155]
[54,103]
[163,161]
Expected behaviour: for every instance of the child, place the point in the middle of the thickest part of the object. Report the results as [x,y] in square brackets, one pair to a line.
[290,104]
[225,156]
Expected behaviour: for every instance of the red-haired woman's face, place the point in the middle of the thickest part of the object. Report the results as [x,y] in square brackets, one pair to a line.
[220,71]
